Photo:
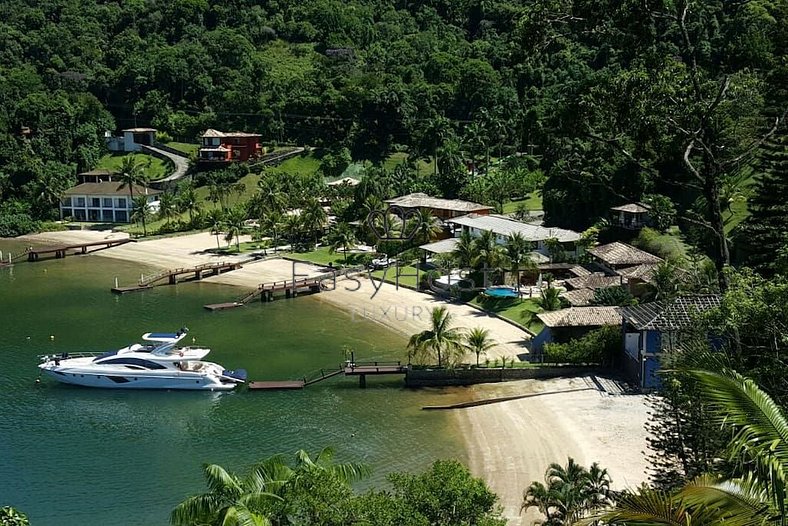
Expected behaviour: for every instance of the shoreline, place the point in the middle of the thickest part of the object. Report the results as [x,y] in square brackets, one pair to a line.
[509,443]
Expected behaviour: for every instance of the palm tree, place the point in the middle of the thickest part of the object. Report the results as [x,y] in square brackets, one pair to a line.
[314,217]
[342,237]
[549,299]
[440,340]
[167,209]
[759,446]
[478,342]
[569,493]
[215,219]
[260,497]
[131,174]
[425,226]
[465,250]
[517,254]
[489,254]
[188,202]
[141,212]
[231,500]
[293,225]
[271,223]
[234,221]
[664,281]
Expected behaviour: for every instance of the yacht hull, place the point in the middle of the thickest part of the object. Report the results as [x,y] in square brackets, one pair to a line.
[137,381]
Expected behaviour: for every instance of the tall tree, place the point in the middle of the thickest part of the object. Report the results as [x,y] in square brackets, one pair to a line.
[478,341]
[131,174]
[441,340]
[141,212]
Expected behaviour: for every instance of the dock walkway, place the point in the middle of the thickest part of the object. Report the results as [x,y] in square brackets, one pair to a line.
[171,275]
[349,368]
[34,254]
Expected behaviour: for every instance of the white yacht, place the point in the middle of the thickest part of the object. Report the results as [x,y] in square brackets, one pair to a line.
[157,364]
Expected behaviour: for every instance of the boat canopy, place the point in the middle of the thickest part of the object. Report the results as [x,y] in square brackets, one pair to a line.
[165,337]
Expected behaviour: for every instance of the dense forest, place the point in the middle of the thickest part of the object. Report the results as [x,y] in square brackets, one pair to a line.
[616,101]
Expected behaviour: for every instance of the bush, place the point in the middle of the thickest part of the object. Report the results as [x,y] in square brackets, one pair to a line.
[665,246]
[163,137]
[51,226]
[598,346]
[12,225]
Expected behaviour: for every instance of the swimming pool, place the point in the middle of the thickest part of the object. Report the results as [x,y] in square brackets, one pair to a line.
[501,292]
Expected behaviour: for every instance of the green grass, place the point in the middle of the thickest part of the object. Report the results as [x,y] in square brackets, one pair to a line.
[250,187]
[424,168]
[154,167]
[533,201]
[321,256]
[300,164]
[407,275]
[517,310]
[186,147]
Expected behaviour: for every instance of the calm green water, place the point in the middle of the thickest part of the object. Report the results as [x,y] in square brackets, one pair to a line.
[76,456]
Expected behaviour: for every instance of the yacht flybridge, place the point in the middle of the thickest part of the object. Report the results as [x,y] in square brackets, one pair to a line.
[156,364]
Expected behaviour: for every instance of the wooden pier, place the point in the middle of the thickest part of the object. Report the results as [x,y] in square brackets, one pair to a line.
[349,368]
[171,276]
[34,254]
[266,292]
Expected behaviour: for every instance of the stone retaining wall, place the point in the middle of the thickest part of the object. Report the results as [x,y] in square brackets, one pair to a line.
[449,377]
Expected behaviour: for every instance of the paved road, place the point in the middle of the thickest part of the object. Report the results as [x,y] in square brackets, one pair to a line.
[181,163]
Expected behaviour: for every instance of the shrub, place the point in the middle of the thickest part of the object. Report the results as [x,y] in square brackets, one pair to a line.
[12,225]
[598,346]
[163,137]
[613,296]
[665,246]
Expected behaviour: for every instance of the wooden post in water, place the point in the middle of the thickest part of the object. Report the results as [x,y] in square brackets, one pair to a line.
[116,282]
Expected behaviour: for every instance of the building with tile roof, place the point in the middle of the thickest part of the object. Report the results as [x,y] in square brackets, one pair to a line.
[653,328]
[104,201]
[617,255]
[567,324]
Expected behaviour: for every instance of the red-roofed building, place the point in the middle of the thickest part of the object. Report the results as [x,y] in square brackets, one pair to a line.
[225,147]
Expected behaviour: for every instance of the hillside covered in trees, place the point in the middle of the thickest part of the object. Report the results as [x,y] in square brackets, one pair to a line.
[616,101]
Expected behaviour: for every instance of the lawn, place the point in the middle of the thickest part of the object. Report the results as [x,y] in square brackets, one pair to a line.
[740,213]
[321,256]
[301,164]
[533,202]
[425,168]
[154,167]
[250,187]
[407,275]
[518,310]
[186,147]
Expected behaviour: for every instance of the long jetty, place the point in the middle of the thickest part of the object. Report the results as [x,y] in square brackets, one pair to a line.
[170,277]
[34,254]
[349,368]
[289,288]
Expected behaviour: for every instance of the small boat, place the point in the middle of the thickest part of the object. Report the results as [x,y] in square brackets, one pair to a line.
[157,364]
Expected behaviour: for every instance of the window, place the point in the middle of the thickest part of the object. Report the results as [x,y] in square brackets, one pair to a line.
[67,201]
[215,141]
[120,202]
[93,215]
[95,202]
[107,202]
[132,362]
[79,214]
[67,212]
[81,202]
[106,216]
[121,216]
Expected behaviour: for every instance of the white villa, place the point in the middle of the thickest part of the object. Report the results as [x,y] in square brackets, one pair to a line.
[503,227]
[104,201]
[131,140]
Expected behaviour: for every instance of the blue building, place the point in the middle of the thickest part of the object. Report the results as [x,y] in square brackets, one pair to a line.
[653,328]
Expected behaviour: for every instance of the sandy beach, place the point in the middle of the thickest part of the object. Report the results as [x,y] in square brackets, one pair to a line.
[509,444]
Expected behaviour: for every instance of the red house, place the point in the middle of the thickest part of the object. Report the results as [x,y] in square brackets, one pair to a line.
[226,147]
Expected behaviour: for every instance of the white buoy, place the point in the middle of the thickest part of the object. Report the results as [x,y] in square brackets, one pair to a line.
[51,336]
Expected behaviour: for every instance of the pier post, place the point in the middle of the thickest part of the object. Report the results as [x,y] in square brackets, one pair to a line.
[116,282]
[362,381]
[172,279]
[198,274]
[287,293]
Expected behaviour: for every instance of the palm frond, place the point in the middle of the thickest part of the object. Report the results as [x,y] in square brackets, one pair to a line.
[761,427]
